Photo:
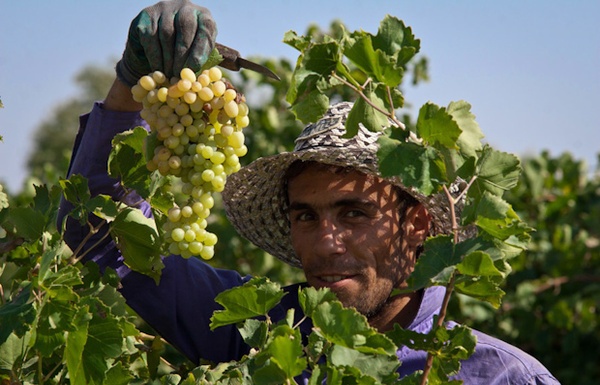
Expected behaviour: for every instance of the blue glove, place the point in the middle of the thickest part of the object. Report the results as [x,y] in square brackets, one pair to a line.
[166,37]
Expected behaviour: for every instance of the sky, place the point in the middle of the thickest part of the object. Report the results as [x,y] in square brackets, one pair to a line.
[530,69]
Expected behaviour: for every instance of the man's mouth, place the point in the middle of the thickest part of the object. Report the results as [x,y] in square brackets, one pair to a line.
[332,278]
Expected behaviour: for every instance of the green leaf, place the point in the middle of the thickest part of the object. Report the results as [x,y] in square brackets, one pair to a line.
[311,78]
[379,366]
[286,352]
[75,343]
[75,189]
[309,298]
[394,38]
[496,173]
[269,374]
[128,162]
[138,240]
[253,299]
[29,223]
[469,141]
[347,327]
[17,315]
[311,107]
[482,288]
[412,339]
[496,217]
[436,264]
[214,59]
[103,206]
[54,319]
[254,332]
[13,349]
[437,127]
[44,198]
[322,58]
[59,284]
[118,375]
[477,264]
[377,64]
[292,39]
[417,166]
[364,113]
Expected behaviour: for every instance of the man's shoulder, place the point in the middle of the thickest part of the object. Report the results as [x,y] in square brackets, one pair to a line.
[497,362]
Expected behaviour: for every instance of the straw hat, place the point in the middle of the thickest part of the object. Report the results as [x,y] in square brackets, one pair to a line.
[255,198]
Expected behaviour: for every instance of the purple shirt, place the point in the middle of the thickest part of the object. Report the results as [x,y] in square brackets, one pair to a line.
[180,307]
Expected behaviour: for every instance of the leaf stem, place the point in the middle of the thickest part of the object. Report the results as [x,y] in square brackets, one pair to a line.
[360,92]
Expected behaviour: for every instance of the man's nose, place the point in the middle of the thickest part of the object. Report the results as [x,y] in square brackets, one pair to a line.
[330,238]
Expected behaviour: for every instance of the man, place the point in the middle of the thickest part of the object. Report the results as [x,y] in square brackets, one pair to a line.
[323,208]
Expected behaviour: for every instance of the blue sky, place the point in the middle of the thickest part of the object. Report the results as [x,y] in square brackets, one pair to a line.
[530,69]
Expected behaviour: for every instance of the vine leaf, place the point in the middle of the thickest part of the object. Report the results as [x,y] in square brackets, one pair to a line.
[139,242]
[255,298]
[497,172]
[436,264]
[128,162]
[417,166]
[348,328]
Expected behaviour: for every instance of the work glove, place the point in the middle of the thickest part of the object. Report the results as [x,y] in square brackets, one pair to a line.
[166,37]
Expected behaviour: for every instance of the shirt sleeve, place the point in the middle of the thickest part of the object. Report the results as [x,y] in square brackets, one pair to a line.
[180,306]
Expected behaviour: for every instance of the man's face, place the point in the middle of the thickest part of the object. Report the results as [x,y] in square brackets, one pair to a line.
[347,233]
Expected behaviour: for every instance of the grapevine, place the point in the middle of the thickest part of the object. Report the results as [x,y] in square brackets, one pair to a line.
[197,124]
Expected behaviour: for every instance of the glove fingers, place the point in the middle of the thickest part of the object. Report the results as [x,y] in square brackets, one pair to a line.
[167,36]
[203,41]
[166,41]
[195,37]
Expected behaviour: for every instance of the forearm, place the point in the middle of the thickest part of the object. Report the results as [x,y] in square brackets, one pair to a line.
[89,159]
[119,98]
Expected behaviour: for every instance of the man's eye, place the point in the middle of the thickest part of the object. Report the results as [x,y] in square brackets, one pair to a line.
[355,213]
[305,216]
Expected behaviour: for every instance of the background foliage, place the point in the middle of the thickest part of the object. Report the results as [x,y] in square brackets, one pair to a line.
[550,310]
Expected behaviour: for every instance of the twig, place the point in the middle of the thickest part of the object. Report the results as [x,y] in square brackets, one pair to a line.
[85,239]
[359,91]
[559,281]
[91,248]
[466,189]
[450,286]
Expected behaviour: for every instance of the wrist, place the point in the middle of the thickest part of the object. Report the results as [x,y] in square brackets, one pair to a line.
[119,98]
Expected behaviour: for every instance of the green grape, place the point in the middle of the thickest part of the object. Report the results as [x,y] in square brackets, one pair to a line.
[198,122]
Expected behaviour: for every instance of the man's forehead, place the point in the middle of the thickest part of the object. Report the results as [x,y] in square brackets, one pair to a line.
[319,176]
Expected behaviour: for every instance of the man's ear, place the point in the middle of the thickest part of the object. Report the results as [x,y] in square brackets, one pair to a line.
[417,223]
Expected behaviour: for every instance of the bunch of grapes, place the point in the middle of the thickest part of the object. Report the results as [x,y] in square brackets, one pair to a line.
[197,122]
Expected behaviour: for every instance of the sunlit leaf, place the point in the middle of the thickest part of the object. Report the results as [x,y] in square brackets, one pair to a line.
[437,127]
[253,299]
[366,114]
[379,366]
[417,166]
[309,298]
[496,173]
[469,140]
[395,38]
[349,328]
